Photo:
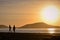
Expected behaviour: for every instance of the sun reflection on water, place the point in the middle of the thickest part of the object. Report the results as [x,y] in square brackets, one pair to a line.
[51,30]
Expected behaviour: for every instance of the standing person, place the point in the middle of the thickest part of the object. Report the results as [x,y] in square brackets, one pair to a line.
[9,28]
[14,28]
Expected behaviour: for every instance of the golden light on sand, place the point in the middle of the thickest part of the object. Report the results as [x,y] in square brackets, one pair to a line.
[51,30]
[49,14]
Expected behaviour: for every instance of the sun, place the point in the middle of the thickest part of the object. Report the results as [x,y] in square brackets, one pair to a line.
[49,14]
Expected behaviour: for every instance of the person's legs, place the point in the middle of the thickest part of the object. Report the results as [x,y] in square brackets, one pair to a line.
[14,30]
[9,29]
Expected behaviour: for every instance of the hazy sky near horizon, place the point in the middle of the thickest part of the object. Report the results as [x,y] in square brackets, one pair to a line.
[20,12]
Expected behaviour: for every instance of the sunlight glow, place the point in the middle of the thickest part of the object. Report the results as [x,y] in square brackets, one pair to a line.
[49,14]
[51,30]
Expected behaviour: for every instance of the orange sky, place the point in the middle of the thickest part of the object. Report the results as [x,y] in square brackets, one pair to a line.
[20,12]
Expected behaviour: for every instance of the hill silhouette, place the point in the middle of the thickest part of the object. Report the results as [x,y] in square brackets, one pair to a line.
[39,25]
[3,26]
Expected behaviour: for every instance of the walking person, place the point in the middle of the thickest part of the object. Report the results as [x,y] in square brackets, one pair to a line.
[14,28]
[9,28]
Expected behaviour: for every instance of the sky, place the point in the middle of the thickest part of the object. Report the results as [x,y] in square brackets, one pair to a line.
[21,12]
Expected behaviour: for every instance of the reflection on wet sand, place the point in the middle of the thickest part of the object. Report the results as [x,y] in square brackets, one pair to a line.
[33,30]
[38,30]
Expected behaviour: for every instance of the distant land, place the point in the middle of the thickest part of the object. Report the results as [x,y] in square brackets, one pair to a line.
[3,26]
[39,25]
[34,25]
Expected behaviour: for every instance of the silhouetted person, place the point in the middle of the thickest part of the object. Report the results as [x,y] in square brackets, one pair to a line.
[14,28]
[9,28]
